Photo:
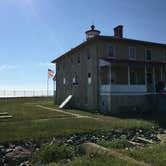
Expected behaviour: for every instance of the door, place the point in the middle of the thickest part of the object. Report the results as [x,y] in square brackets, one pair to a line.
[150,82]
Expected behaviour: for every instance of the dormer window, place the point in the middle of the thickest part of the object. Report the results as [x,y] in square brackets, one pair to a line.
[132,53]
[148,55]
[111,51]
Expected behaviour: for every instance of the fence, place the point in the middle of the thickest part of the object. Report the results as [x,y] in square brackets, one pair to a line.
[25,93]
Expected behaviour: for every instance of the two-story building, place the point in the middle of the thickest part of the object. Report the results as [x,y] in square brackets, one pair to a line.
[112,73]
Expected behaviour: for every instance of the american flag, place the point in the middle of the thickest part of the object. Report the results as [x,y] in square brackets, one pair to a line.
[50,73]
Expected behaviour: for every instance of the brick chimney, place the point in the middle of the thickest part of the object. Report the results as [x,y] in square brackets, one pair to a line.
[118,31]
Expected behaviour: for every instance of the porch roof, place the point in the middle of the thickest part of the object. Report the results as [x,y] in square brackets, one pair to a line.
[138,62]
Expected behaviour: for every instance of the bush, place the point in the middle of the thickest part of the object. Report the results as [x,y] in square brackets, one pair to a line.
[116,143]
[50,153]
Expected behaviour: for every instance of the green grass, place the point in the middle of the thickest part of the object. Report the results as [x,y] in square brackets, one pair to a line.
[95,161]
[31,122]
[155,155]
[115,144]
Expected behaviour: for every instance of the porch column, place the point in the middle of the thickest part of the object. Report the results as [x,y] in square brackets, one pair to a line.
[128,68]
[161,72]
[110,76]
[154,79]
[145,75]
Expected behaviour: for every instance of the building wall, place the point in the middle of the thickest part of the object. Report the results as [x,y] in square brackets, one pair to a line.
[84,95]
[87,96]
[121,49]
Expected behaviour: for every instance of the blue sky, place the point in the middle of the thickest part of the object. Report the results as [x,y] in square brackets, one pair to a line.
[34,32]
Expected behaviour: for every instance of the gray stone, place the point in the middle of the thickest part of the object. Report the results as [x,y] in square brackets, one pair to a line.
[9,150]
[123,136]
[26,163]
[2,147]
[18,155]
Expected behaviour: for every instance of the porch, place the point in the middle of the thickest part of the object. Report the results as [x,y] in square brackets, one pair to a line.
[130,77]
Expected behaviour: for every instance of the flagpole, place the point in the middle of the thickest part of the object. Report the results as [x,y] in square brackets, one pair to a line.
[47,84]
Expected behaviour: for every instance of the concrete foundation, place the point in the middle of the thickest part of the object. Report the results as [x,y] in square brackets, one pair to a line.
[138,103]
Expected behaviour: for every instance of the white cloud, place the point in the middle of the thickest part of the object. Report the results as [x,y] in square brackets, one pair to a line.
[8,67]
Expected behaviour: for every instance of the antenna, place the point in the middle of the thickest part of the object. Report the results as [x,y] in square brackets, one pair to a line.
[93,23]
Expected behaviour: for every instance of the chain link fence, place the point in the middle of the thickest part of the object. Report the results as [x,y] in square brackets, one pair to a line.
[25,93]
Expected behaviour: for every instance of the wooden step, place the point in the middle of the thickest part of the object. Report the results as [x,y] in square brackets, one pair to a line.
[6,117]
[3,113]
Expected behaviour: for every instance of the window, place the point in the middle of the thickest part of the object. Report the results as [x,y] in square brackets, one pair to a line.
[104,75]
[113,77]
[111,51]
[78,59]
[75,79]
[133,77]
[89,78]
[148,55]
[132,53]
[57,66]
[71,60]
[88,54]
[164,56]
[64,81]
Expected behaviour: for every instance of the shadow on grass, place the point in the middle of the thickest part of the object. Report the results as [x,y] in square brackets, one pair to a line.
[158,117]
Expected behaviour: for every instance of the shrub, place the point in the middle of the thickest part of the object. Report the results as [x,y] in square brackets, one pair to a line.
[49,153]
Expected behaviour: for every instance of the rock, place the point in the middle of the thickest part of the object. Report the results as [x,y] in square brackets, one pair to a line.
[123,136]
[26,163]
[69,141]
[162,138]
[9,150]
[164,132]
[2,147]
[18,155]
[12,146]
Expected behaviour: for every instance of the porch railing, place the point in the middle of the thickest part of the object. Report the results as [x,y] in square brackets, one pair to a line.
[119,88]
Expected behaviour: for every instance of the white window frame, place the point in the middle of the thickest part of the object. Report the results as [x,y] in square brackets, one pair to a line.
[75,79]
[132,55]
[113,51]
[64,81]
[90,78]
[146,54]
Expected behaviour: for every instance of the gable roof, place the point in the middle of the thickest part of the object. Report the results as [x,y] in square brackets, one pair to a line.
[107,38]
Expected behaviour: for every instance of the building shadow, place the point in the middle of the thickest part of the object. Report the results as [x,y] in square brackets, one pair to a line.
[158,117]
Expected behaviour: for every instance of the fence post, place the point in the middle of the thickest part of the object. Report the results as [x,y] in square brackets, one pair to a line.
[4,93]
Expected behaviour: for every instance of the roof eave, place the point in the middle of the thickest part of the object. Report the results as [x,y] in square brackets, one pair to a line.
[77,47]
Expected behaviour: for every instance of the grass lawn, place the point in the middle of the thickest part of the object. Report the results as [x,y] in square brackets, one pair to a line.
[31,122]
[155,155]
[95,161]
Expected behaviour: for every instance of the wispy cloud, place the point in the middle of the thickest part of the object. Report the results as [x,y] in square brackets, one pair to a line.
[8,67]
